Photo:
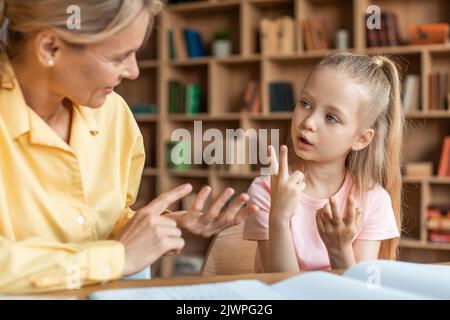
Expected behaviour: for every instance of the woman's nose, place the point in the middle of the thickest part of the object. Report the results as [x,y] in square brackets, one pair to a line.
[131,70]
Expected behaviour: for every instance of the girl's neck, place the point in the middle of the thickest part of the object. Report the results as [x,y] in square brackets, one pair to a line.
[323,180]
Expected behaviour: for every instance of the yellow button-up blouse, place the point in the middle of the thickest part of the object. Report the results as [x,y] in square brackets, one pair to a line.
[59,202]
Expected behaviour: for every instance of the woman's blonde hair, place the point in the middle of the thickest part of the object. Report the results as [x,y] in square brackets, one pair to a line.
[378,163]
[100,19]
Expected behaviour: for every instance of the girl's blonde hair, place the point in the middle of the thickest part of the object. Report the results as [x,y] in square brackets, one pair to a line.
[378,163]
[100,19]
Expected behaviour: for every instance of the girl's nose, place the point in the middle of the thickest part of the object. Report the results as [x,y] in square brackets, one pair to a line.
[310,123]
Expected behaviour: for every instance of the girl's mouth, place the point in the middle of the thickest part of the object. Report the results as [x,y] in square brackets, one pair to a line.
[304,140]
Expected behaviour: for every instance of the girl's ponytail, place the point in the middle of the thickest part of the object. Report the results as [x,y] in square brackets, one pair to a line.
[392,179]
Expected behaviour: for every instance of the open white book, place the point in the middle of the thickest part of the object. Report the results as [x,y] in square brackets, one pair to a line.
[378,279]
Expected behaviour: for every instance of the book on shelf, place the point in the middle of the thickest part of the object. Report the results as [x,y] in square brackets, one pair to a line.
[171,45]
[411,93]
[143,109]
[286,35]
[184,43]
[252,98]
[444,161]
[194,43]
[281,96]
[277,35]
[373,279]
[184,98]
[439,87]
[315,34]
[268,36]
[388,33]
[439,236]
[179,44]
[431,33]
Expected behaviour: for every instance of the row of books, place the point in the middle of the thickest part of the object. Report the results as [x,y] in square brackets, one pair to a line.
[184,98]
[315,35]
[277,35]
[281,96]
[185,43]
[439,84]
[387,34]
[438,223]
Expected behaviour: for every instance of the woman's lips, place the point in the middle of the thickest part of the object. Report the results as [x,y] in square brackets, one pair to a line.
[108,90]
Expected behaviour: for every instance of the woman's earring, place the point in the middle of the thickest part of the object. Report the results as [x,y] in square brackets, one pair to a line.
[51,62]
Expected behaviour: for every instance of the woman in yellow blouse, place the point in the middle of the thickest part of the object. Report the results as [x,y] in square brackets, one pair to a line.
[71,154]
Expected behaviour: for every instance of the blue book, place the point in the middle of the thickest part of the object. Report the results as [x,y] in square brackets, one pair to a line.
[194,43]
[375,280]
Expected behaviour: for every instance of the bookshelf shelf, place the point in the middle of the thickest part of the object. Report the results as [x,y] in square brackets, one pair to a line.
[417,244]
[146,64]
[223,84]
[189,173]
[150,172]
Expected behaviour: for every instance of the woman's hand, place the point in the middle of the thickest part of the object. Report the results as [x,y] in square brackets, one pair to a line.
[148,235]
[337,232]
[285,188]
[213,220]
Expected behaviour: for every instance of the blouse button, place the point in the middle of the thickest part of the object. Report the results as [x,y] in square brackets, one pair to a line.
[80,220]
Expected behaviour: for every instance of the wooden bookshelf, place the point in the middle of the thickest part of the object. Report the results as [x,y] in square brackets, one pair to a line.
[223,83]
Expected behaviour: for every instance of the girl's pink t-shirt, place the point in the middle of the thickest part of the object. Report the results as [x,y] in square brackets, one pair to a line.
[378,221]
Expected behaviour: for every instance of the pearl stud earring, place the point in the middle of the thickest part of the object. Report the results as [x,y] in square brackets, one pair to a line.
[51,62]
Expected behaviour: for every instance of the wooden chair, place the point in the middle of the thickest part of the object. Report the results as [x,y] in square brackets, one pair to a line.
[228,253]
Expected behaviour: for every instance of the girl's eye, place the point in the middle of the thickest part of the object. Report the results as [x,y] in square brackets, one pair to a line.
[304,103]
[332,118]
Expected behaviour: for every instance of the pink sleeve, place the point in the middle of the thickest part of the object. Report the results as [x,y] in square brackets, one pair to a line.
[256,227]
[379,220]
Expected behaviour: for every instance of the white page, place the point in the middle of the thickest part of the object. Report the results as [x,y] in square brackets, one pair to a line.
[424,279]
[328,286]
[232,290]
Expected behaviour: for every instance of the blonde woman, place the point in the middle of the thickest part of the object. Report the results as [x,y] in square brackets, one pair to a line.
[71,154]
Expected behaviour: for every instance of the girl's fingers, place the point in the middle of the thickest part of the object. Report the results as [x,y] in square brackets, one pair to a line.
[350,212]
[319,220]
[296,177]
[284,168]
[327,214]
[334,210]
[273,161]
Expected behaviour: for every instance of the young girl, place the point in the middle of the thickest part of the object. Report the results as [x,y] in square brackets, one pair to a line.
[338,203]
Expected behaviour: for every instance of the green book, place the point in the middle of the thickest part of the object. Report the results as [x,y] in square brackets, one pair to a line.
[171,43]
[193,98]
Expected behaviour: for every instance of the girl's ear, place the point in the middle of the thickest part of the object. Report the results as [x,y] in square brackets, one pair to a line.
[363,139]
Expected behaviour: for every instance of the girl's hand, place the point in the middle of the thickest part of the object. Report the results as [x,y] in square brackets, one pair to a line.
[338,232]
[285,188]
[214,219]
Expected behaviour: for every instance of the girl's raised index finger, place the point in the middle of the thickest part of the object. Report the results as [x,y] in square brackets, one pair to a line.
[273,160]
[284,168]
